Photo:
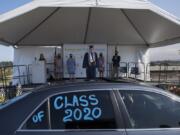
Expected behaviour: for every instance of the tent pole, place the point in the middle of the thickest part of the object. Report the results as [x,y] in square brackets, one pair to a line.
[55,44]
[37,26]
[62,56]
[5,42]
[134,26]
[87,25]
[96,2]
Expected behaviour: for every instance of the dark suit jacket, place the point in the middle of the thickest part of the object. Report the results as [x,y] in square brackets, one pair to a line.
[86,60]
[116,61]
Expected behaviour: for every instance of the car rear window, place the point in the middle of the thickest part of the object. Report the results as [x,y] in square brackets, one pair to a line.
[82,110]
[39,119]
[151,110]
[74,110]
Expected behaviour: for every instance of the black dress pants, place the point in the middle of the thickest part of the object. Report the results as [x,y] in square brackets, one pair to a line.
[91,72]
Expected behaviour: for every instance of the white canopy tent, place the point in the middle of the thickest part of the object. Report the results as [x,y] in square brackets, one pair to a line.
[122,22]
[131,26]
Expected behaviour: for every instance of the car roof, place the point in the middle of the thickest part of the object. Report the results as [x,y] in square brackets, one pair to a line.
[73,87]
[49,90]
[54,89]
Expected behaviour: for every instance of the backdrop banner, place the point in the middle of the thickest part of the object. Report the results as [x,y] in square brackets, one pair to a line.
[78,51]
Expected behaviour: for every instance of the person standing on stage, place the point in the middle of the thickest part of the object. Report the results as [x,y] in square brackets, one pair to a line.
[101,65]
[116,63]
[42,58]
[71,67]
[58,67]
[90,63]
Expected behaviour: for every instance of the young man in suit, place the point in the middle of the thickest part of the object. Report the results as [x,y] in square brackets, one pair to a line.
[116,63]
[90,63]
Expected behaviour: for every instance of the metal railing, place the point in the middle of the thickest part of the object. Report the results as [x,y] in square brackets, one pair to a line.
[7,89]
[164,73]
[135,70]
[2,79]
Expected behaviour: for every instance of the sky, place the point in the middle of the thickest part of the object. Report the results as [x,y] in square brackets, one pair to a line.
[6,53]
[172,6]
[169,52]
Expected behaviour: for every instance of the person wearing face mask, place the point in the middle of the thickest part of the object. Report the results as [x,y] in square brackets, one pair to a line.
[101,65]
[90,63]
[71,67]
[58,67]
[116,63]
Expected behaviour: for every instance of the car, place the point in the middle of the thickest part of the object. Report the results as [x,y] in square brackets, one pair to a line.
[92,108]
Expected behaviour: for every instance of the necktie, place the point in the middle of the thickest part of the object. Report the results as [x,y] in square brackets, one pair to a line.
[92,56]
